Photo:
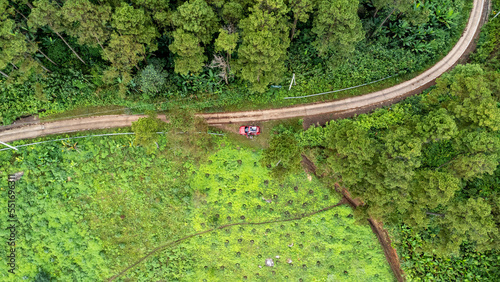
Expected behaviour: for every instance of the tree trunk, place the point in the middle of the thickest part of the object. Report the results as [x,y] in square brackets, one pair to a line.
[19,12]
[43,67]
[293,28]
[46,57]
[383,22]
[14,66]
[74,52]
[99,42]
[4,74]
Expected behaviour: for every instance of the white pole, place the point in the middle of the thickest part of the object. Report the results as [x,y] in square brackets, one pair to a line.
[292,81]
[8,145]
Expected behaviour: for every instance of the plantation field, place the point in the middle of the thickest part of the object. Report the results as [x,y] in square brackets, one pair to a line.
[89,208]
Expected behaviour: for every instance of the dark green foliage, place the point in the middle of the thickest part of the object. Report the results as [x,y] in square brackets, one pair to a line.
[469,264]
[152,80]
[411,168]
[111,41]
[488,46]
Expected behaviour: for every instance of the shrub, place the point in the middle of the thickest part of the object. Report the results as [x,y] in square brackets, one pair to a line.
[151,80]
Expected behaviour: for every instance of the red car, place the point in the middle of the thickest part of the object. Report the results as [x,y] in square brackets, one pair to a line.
[250,130]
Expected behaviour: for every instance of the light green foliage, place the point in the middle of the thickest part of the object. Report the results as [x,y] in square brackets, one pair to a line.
[395,115]
[265,41]
[196,23]
[157,9]
[146,129]
[54,93]
[410,166]
[301,9]
[467,222]
[14,49]
[86,21]
[438,125]
[351,144]
[226,42]
[123,52]
[197,18]
[337,27]
[187,138]
[190,57]
[136,24]
[314,136]
[480,154]
[111,204]
[51,235]
[476,104]
[323,248]
[45,13]
[429,189]
[233,184]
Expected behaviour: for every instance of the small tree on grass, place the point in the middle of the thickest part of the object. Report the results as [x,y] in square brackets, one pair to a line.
[145,131]
[283,154]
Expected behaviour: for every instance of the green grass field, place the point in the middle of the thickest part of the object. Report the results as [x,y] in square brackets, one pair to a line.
[88,212]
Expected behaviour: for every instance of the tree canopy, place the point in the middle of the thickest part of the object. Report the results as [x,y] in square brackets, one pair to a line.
[415,170]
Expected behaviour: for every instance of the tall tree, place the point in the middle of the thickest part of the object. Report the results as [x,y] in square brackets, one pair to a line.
[225,42]
[190,57]
[232,12]
[15,50]
[337,27]
[87,22]
[123,52]
[384,167]
[283,154]
[301,10]
[265,41]
[197,18]
[158,10]
[195,23]
[135,23]
[47,13]
[146,129]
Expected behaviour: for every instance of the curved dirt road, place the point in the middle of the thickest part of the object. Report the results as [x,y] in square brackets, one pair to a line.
[345,106]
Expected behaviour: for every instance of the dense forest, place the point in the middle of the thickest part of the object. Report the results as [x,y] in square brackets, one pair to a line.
[56,55]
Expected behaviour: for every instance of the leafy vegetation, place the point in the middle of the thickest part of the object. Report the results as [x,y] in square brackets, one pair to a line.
[90,207]
[216,54]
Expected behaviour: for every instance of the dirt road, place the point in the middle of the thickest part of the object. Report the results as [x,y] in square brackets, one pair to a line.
[343,107]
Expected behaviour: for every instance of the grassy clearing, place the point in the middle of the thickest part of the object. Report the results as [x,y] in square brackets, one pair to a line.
[108,203]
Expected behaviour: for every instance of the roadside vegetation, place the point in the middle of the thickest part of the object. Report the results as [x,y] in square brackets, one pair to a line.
[211,55]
